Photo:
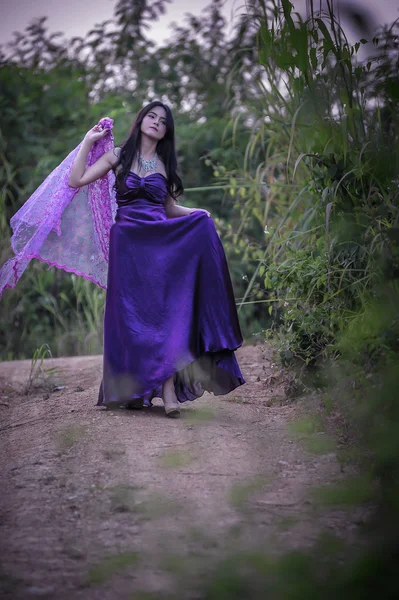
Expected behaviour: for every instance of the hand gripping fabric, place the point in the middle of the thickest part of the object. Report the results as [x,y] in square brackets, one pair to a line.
[63,226]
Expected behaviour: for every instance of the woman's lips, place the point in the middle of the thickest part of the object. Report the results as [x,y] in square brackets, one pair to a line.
[151,127]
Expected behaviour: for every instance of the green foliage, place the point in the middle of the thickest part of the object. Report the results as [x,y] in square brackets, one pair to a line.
[301,138]
[67,437]
[309,431]
[39,375]
[241,492]
[110,565]
[55,306]
[306,318]
[123,497]
[175,459]
[314,231]
[353,492]
[319,222]
[201,416]
[302,575]
[54,89]
[323,160]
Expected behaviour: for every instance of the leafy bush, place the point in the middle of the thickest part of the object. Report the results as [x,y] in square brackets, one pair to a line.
[321,166]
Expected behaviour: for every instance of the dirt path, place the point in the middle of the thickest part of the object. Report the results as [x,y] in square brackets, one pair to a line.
[103,504]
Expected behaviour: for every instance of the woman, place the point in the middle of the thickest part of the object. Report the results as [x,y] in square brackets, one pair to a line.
[170,323]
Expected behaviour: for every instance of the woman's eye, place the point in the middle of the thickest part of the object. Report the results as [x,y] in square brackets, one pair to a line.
[153,117]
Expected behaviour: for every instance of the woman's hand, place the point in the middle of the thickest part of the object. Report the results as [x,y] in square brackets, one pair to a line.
[96,133]
[174,210]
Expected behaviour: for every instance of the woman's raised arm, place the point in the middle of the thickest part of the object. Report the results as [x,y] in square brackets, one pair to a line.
[79,175]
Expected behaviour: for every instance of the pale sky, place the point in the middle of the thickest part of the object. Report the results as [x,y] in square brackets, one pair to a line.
[77,17]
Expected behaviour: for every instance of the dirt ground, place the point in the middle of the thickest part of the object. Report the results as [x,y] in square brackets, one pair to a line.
[108,504]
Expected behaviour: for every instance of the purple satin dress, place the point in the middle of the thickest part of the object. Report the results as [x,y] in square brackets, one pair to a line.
[170,307]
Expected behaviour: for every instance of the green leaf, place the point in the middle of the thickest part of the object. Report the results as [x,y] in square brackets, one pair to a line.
[313,57]
[325,32]
[266,44]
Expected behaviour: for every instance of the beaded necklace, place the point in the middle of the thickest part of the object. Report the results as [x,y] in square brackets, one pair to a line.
[147,165]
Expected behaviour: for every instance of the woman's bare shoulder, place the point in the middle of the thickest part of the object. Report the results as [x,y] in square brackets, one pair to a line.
[161,167]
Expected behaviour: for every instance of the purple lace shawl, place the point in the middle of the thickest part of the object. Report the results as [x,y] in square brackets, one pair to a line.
[63,226]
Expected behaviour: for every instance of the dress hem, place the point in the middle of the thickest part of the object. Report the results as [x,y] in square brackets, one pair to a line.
[150,394]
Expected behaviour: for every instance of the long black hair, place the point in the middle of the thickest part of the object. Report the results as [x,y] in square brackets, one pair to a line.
[165,149]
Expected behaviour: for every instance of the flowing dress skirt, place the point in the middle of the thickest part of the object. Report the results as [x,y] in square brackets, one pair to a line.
[170,308]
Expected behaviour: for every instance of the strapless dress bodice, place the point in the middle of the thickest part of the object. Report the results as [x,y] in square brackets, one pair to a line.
[152,187]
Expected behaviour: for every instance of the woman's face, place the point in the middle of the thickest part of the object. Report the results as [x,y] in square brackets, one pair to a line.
[154,123]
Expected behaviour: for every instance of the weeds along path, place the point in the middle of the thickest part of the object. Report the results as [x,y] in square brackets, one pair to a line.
[105,504]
